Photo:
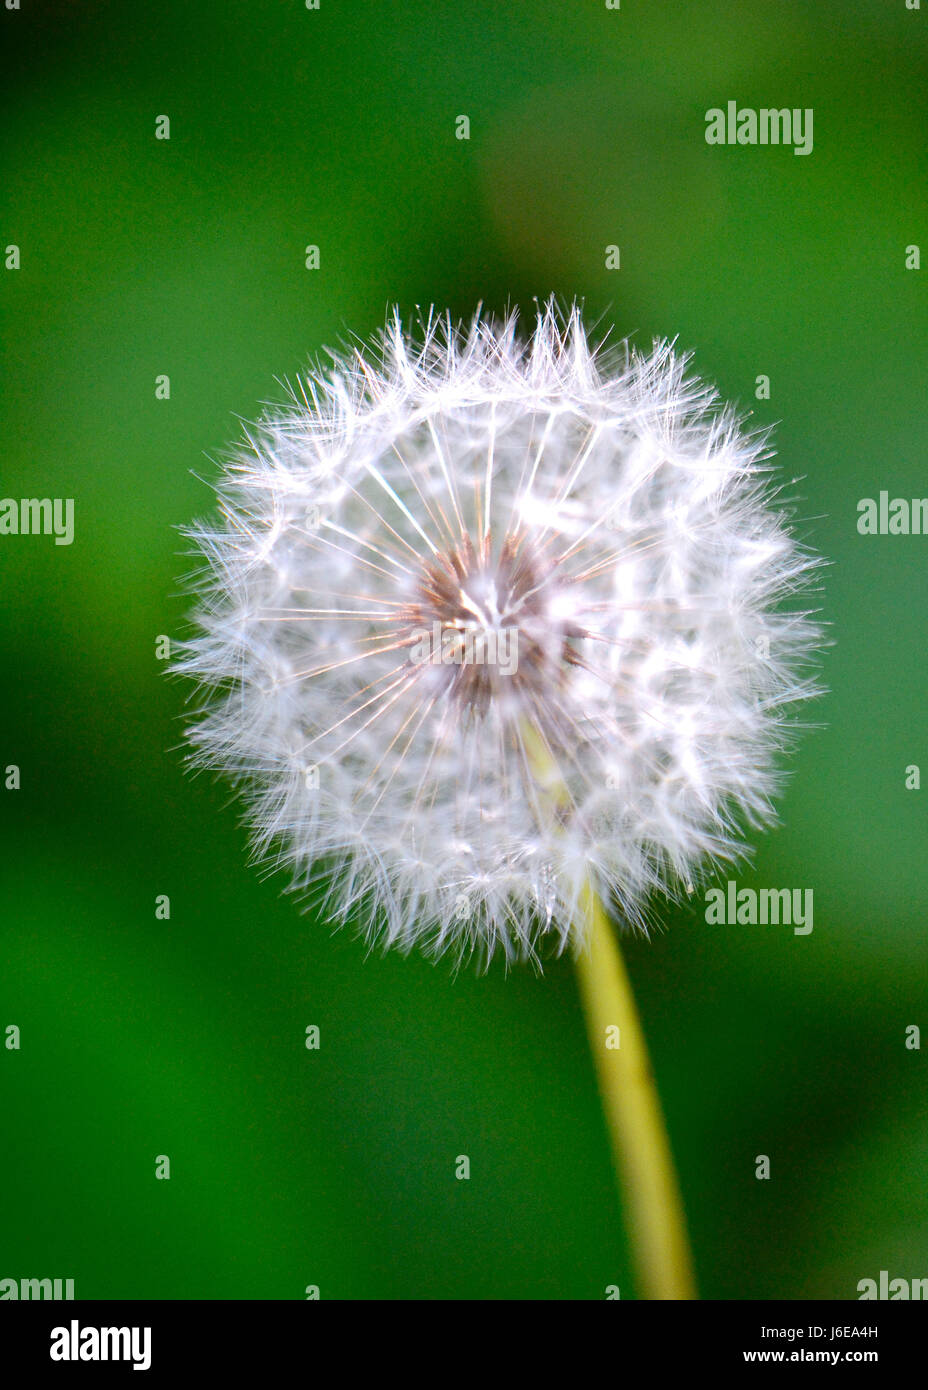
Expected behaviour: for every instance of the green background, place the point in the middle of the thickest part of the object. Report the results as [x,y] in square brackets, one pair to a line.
[186,1038]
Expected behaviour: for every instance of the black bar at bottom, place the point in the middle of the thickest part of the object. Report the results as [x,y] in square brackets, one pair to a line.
[311,1340]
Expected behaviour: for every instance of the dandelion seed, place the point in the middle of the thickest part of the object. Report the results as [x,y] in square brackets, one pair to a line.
[454,493]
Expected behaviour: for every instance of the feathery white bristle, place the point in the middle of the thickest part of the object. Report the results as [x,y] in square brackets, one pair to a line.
[597,511]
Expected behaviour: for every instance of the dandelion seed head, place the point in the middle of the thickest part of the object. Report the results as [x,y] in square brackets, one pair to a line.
[457,540]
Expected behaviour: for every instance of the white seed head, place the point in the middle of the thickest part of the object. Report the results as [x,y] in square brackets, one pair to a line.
[456,546]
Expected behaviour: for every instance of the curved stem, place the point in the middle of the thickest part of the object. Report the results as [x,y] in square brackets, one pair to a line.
[654,1209]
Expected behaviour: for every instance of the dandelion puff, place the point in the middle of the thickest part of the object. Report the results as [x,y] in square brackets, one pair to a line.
[459,540]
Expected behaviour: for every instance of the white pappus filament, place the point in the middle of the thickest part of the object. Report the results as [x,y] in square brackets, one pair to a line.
[457,538]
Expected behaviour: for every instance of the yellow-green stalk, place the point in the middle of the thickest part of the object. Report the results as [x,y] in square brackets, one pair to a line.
[648,1183]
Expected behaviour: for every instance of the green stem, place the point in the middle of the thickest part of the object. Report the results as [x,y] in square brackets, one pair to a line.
[654,1209]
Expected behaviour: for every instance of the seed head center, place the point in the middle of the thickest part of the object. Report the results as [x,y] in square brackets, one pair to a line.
[488,624]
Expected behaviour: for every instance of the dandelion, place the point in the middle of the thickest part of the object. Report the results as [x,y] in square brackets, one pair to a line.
[494,630]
